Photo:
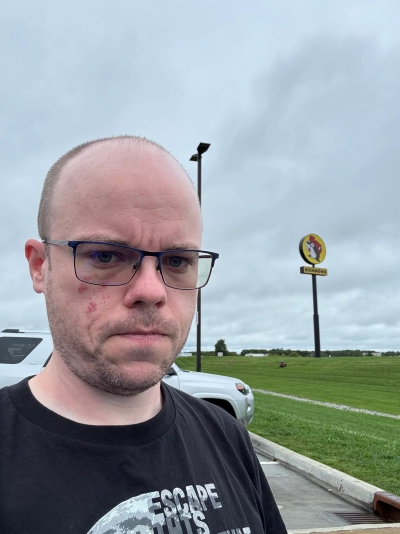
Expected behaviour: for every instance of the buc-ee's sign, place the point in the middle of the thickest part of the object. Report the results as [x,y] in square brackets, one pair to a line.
[313,251]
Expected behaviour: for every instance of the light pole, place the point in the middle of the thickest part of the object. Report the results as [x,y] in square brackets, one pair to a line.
[203,147]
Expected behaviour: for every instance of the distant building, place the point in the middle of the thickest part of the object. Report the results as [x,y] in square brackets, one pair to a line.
[185,353]
[376,353]
[257,355]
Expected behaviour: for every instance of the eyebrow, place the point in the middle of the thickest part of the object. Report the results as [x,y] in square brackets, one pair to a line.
[116,241]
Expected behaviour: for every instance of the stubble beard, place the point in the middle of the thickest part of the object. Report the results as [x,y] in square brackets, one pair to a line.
[95,366]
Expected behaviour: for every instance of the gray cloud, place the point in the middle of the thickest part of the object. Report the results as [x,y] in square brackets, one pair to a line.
[300,105]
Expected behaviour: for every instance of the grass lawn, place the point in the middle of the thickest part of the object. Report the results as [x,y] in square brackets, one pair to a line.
[371,383]
[365,446]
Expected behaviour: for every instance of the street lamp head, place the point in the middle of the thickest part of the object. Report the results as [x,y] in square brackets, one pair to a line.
[194,157]
[203,147]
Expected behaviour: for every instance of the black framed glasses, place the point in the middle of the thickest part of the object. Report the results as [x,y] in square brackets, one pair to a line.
[108,264]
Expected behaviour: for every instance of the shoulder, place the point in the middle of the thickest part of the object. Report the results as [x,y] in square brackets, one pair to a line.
[8,409]
[197,413]
[15,400]
[202,407]
[215,435]
[4,397]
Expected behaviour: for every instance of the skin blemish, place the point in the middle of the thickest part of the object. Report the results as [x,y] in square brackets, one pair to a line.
[105,296]
[82,288]
[92,307]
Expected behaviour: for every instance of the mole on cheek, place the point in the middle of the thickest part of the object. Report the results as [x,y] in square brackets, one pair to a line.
[91,308]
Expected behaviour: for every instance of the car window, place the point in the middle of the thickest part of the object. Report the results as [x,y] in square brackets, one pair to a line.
[14,350]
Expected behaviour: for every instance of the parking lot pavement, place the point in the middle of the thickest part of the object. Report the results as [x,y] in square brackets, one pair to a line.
[306,506]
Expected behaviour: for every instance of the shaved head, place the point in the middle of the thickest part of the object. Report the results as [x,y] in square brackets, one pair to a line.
[125,191]
[56,170]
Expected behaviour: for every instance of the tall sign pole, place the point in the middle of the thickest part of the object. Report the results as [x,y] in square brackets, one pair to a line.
[317,341]
[313,251]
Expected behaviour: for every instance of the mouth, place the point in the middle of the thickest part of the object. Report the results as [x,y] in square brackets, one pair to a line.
[141,333]
[142,336]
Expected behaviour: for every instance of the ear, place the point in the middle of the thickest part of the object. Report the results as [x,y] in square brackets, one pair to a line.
[35,253]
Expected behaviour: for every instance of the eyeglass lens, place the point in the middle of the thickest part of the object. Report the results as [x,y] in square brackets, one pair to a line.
[115,265]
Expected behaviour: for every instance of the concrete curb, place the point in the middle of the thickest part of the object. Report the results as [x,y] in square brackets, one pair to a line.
[368,529]
[344,485]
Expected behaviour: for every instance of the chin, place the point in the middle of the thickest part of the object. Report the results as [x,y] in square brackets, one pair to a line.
[128,380]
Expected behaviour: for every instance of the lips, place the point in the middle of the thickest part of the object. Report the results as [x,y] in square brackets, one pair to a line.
[147,326]
[141,333]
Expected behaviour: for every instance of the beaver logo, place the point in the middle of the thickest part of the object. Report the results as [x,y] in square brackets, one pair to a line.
[312,249]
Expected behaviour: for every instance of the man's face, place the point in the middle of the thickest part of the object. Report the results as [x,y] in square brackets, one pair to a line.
[120,339]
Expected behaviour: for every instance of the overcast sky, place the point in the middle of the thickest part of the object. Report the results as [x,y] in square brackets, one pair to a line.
[300,102]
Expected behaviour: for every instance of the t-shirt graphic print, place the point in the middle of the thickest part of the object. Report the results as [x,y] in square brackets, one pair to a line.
[180,511]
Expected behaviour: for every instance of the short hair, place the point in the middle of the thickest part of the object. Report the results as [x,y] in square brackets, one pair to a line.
[54,173]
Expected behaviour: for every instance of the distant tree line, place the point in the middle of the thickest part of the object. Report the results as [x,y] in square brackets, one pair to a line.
[324,353]
[220,347]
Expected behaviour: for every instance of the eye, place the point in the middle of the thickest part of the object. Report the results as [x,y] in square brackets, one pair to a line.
[104,256]
[176,261]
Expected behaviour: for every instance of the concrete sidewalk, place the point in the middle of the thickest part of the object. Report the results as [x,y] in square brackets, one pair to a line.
[307,509]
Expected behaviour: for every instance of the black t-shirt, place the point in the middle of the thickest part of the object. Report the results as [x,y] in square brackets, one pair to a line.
[190,469]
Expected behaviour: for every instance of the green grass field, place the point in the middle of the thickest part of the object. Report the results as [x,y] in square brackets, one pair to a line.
[365,446]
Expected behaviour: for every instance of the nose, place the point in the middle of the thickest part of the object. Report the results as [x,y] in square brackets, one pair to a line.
[147,286]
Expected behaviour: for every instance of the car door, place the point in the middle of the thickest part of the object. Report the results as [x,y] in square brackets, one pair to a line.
[172,378]
[20,357]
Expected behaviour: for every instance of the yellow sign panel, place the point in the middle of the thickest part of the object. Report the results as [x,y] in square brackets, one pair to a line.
[312,249]
[314,270]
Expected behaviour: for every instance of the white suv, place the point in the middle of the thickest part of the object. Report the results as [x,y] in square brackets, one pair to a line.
[26,353]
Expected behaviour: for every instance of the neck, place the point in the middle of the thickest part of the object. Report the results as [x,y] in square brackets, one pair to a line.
[62,392]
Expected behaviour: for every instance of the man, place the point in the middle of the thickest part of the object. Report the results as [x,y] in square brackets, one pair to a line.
[96,443]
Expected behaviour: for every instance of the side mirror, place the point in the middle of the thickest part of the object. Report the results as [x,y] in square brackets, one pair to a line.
[171,372]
